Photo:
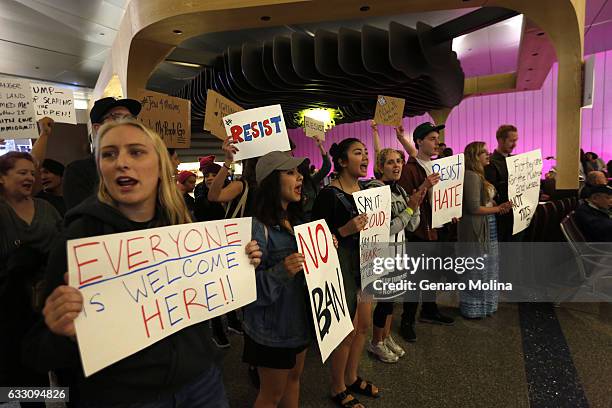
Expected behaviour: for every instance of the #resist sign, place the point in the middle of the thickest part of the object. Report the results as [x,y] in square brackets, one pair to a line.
[257,131]
[447,195]
[142,286]
[53,102]
[524,173]
[330,312]
[376,203]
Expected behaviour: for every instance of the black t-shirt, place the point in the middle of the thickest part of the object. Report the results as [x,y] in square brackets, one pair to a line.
[334,211]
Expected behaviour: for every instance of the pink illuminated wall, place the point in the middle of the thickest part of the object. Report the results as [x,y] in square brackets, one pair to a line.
[477,118]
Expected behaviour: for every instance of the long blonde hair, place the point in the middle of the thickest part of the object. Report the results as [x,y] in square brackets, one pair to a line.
[471,153]
[169,199]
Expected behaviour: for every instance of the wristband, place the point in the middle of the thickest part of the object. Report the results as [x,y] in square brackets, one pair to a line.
[410,211]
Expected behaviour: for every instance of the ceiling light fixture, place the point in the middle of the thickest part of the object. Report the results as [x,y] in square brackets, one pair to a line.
[184,64]
[177,32]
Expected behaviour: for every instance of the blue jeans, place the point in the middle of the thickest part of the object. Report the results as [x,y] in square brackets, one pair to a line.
[207,391]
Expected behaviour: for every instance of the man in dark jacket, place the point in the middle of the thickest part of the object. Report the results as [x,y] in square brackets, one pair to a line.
[594,216]
[415,177]
[81,176]
[496,173]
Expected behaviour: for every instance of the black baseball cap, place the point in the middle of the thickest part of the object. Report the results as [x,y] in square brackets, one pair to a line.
[102,106]
[424,129]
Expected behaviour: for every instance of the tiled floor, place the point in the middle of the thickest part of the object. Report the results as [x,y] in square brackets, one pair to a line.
[474,364]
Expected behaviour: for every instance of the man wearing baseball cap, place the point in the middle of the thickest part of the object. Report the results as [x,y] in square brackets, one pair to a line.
[417,176]
[81,176]
[594,216]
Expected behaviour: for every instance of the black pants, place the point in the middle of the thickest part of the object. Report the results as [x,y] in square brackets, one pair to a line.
[427,298]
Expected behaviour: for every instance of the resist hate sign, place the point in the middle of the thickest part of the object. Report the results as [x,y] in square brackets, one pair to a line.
[218,106]
[16,110]
[524,173]
[376,203]
[258,131]
[330,312]
[142,286]
[53,102]
[170,117]
[447,195]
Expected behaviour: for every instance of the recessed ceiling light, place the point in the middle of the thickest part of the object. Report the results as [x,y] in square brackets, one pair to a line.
[364,8]
[184,64]
[265,18]
[177,32]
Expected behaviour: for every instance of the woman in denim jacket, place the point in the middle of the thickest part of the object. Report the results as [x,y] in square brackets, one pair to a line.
[277,325]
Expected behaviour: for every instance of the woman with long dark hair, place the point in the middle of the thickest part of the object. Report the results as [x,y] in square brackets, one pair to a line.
[277,325]
[335,204]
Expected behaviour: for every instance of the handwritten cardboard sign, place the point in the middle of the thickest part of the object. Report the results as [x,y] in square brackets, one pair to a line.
[257,131]
[218,106]
[170,117]
[376,203]
[142,286]
[314,128]
[330,312]
[53,102]
[17,118]
[447,196]
[389,110]
[524,173]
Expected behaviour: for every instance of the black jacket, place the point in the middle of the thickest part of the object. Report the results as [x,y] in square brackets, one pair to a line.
[80,181]
[496,173]
[150,374]
[595,224]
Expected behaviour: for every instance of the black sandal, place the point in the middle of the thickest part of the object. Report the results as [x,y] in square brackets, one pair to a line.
[340,400]
[368,390]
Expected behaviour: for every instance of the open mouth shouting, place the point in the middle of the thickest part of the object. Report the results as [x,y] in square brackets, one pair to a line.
[126,183]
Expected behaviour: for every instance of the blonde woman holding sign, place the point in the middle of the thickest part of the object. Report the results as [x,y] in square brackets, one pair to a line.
[136,192]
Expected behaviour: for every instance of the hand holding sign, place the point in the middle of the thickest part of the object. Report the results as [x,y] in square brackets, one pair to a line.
[62,308]
[355,225]
[294,263]
[46,126]
[229,149]
[258,131]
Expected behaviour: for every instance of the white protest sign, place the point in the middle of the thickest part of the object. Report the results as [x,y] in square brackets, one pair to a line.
[141,286]
[257,131]
[376,203]
[447,195]
[17,119]
[330,312]
[314,128]
[524,173]
[53,102]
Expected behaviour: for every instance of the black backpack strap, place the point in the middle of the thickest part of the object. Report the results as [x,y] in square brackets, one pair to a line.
[347,205]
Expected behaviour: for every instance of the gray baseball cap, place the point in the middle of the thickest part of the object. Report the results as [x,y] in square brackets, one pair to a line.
[275,161]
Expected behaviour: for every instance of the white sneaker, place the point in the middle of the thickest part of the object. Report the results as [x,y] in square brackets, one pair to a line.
[394,347]
[381,351]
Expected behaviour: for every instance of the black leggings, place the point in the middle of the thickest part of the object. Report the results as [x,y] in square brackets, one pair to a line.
[381,311]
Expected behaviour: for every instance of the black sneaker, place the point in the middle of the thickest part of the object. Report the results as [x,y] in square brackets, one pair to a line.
[408,333]
[220,339]
[234,326]
[437,318]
